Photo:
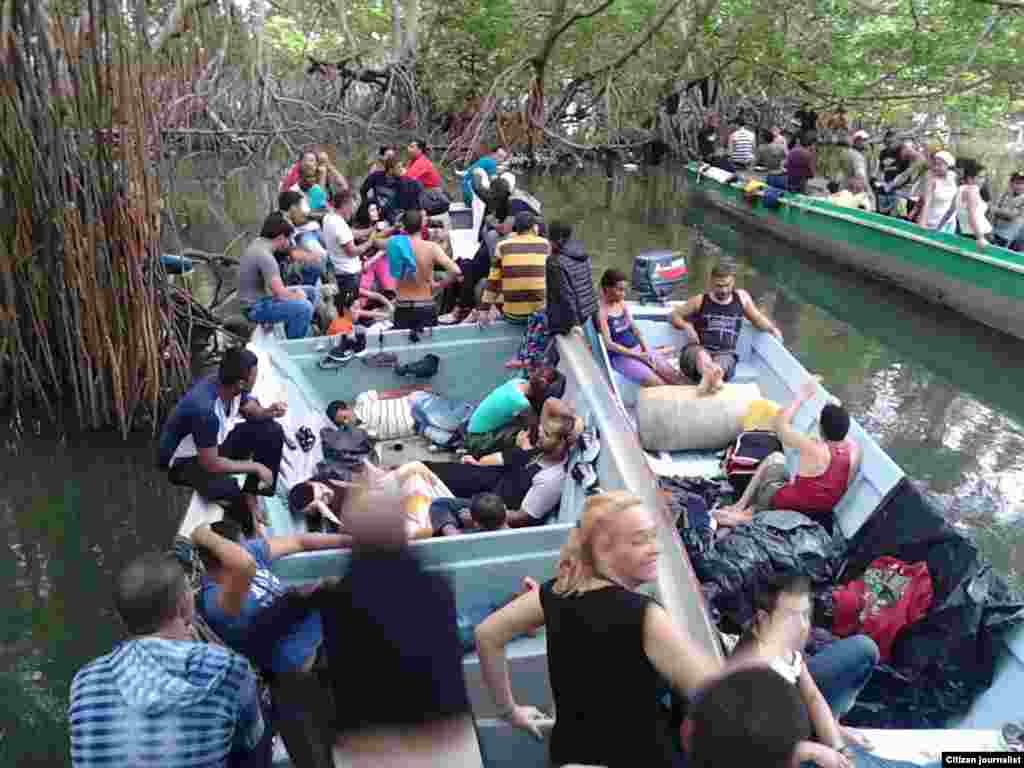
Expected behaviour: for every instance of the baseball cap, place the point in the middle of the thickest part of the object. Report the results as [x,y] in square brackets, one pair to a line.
[861,135]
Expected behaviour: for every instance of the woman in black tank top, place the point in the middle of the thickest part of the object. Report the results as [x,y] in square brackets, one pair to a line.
[608,645]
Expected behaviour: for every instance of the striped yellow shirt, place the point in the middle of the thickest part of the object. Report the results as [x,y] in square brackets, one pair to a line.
[516,280]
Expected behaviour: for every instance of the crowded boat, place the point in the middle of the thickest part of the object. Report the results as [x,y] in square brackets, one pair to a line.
[406,405]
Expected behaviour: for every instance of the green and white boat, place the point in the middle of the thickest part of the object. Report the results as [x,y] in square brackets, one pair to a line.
[947,269]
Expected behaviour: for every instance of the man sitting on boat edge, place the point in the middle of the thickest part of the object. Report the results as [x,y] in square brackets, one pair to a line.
[709,355]
[825,470]
[218,430]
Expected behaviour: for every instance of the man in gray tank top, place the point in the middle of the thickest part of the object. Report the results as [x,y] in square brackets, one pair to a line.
[712,322]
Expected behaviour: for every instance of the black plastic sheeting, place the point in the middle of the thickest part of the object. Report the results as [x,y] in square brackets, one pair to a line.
[939,663]
[776,541]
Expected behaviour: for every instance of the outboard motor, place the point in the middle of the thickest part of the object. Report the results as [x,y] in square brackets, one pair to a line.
[657,273]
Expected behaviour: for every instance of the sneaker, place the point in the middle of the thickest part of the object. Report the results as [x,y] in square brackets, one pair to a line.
[585,476]
[590,446]
[451,318]
[342,352]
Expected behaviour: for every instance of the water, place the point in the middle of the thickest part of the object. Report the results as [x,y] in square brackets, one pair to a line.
[937,392]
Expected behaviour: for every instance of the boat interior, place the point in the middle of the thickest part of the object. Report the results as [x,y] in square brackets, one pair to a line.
[486,568]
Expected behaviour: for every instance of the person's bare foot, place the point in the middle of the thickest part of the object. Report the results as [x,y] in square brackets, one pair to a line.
[717,376]
[529,584]
[706,380]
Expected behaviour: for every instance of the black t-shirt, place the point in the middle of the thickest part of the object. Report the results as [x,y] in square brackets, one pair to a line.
[605,687]
[707,140]
[891,164]
[392,644]
[808,120]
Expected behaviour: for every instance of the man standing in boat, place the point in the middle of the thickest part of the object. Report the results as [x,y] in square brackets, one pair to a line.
[712,323]
[218,430]
[416,259]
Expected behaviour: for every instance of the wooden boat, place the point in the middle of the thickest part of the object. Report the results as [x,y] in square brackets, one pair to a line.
[985,285]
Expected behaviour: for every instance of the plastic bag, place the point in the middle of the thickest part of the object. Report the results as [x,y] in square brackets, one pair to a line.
[776,541]
[941,662]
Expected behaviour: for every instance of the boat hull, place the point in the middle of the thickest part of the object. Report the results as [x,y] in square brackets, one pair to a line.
[986,286]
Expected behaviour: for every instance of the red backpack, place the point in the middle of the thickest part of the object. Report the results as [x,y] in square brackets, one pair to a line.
[890,595]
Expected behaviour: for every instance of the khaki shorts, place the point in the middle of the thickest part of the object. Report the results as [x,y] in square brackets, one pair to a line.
[775,477]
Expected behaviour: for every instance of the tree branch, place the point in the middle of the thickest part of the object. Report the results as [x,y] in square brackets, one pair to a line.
[176,23]
[557,30]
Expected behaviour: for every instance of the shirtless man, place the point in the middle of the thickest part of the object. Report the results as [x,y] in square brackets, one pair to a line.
[415,306]
[709,354]
[825,470]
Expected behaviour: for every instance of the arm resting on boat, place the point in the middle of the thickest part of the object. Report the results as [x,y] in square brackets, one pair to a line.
[683,311]
[674,654]
[522,615]
[279,546]
[756,316]
[237,567]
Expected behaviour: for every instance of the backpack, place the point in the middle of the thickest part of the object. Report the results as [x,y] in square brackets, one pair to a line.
[743,457]
[434,201]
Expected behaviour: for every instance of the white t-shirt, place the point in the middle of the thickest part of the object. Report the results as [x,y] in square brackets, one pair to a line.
[336,234]
[545,491]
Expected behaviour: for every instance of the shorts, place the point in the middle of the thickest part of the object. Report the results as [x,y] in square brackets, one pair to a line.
[688,361]
[775,477]
[415,315]
[347,282]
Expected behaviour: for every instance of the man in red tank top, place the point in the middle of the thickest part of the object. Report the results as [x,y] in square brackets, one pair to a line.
[825,470]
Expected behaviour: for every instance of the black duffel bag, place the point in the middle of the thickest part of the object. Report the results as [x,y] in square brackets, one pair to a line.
[434,201]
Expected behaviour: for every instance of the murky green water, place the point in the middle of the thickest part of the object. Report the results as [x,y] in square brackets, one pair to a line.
[938,393]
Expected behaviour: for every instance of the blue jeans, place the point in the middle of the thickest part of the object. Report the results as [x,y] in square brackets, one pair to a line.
[296,314]
[842,669]
[440,412]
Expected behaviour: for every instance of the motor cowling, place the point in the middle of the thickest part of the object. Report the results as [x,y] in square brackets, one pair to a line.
[656,274]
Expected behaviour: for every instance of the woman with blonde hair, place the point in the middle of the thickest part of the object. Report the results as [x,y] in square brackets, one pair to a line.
[604,640]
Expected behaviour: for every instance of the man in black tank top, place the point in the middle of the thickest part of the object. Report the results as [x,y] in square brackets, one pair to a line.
[712,323]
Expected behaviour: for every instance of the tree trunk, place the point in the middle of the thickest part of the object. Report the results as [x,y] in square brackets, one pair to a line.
[396,30]
[412,29]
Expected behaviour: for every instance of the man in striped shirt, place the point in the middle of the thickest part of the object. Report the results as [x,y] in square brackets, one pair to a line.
[516,281]
[160,699]
[741,145]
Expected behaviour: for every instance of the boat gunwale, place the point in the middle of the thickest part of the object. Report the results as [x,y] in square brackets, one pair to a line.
[824,208]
